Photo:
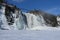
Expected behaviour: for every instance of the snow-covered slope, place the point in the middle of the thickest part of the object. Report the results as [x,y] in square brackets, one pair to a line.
[38,23]
[29,35]
[15,19]
[10,20]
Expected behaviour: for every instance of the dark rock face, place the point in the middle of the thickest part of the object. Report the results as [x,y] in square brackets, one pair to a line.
[9,16]
[35,12]
[49,18]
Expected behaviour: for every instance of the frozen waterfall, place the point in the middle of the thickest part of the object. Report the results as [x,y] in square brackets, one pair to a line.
[23,21]
[34,21]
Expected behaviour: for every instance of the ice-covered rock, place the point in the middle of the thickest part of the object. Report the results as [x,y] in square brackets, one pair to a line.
[12,18]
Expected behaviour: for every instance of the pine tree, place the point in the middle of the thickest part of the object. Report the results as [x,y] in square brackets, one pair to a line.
[1,1]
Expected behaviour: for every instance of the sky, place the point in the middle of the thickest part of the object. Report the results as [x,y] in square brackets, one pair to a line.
[50,6]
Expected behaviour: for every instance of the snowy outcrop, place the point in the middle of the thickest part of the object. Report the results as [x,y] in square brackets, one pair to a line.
[58,20]
[49,19]
[34,21]
[12,18]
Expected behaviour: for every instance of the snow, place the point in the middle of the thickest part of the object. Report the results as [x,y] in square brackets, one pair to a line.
[34,22]
[29,35]
[44,28]
[36,30]
[58,19]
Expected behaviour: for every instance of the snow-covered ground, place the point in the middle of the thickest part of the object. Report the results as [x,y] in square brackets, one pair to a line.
[36,30]
[29,35]
[25,21]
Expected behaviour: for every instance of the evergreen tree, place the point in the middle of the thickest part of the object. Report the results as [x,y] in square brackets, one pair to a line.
[1,1]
